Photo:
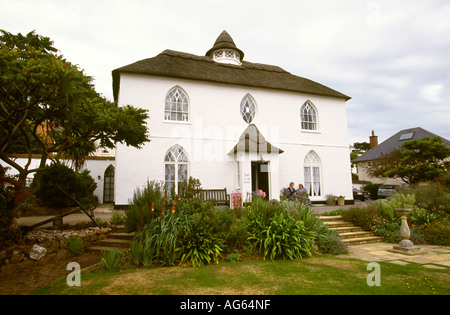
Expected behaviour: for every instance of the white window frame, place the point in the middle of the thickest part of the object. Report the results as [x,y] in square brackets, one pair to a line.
[181,158]
[311,163]
[177,106]
[305,115]
[247,110]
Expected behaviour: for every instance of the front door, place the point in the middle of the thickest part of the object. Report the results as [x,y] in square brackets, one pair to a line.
[260,177]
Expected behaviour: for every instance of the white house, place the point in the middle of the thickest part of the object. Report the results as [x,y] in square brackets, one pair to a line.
[232,124]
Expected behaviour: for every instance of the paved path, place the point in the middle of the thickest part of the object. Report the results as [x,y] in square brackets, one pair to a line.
[437,257]
[104,212]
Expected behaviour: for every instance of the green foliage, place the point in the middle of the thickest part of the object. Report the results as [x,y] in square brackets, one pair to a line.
[117,218]
[190,188]
[12,195]
[199,233]
[426,225]
[438,233]
[332,213]
[113,260]
[434,197]
[279,236]
[201,245]
[420,160]
[49,106]
[75,245]
[329,242]
[160,241]
[365,217]
[140,213]
[80,186]
[234,257]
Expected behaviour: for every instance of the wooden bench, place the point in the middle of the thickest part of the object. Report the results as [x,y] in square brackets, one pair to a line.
[219,195]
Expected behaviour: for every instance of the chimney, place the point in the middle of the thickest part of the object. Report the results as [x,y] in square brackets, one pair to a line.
[373,140]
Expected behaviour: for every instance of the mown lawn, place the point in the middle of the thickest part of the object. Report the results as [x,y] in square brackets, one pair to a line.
[318,275]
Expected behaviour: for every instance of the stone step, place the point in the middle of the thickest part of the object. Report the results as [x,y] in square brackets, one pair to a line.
[358,234]
[107,248]
[336,224]
[330,218]
[363,240]
[348,232]
[115,243]
[347,229]
[121,235]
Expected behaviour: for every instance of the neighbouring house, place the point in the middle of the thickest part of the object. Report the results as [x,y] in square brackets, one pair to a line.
[232,124]
[391,144]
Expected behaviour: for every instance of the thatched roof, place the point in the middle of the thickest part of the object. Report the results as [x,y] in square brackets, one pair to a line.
[224,41]
[176,64]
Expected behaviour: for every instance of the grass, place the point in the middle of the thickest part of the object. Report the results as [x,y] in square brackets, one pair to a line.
[318,275]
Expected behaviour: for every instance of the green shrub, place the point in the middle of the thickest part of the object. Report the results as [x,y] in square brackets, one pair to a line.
[438,233]
[366,217]
[80,186]
[434,197]
[160,241]
[117,218]
[75,245]
[201,245]
[423,217]
[279,235]
[140,213]
[329,242]
[389,230]
[12,194]
[113,260]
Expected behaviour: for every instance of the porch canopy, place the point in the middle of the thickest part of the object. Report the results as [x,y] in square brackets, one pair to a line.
[252,140]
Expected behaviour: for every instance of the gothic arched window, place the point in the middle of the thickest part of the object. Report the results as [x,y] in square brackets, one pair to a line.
[177,105]
[308,116]
[312,169]
[176,167]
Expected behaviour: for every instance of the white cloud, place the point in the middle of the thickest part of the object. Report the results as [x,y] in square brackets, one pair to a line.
[432,93]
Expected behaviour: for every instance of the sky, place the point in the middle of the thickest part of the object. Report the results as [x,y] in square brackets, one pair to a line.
[391,57]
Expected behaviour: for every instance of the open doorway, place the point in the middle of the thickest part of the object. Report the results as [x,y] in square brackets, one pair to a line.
[260,177]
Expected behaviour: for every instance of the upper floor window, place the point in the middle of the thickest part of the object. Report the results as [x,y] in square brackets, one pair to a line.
[177,105]
[308,116]
[248,109]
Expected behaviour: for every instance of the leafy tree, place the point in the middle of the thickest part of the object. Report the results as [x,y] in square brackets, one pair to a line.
[49,106]
[361,147]
[417,161]
[80,186]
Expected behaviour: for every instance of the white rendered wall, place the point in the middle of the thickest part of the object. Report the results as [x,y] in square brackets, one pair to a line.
[214,127]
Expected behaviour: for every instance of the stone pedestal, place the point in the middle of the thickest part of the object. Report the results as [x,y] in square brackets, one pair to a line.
[405,246]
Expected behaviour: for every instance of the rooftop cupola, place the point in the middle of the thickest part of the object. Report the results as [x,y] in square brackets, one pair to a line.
[225,50]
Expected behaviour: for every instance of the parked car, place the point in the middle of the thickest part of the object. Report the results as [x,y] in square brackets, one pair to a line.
[360,194]
[387,190]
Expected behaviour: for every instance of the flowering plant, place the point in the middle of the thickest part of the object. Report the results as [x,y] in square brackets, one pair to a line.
[259,193]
